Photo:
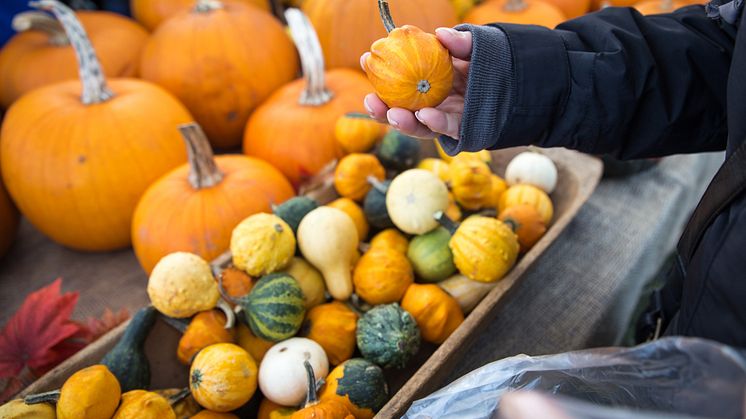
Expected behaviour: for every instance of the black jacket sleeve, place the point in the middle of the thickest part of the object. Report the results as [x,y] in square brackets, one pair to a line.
[610,82]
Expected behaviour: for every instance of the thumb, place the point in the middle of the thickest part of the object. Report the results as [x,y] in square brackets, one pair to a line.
[457,42]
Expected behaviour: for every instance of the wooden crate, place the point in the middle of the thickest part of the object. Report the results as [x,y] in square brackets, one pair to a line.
[578,176]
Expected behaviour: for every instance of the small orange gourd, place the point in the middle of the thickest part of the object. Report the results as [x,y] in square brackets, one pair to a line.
[453,211]
[382,276]
[410,68]
[91,393]
[390,238]
[332,325]
[496,191]
[437,166]
[355,212]
[223,377]
[141,404]
[206,328]
[526,222]
[195,207]
[255,346]
[436,312]
[93,154]
[527,12]
[471,182]
[235,283]
[530,195]
[315,409]
[357,132]
[352,173]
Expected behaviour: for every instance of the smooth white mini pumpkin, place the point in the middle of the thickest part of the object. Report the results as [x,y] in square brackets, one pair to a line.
[282,376]
[533,169]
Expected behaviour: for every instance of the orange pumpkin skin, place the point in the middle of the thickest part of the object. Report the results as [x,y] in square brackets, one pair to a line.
[333,325]
[355,212]
[299,139]
[235,282]
[391,238]
[209,414]
[526,222]
[410,69]
[571,8]
[436,312]
[8,221]
[150,13]
[347,28]
[201,221]
[271,410]
[210,62]
[26,60]
[76,171]
[327,409]
[382,276]
[205,329]
[654,7]
[536,12]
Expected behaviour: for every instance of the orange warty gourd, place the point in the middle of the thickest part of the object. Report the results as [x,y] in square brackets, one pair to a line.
[332,325]
[436,312]
[531,12]
[654,7]
[410,68]
[8,221]
[40,54]
[352,209]
[315,409]
[76,166]
[352,173]
[150,13]
[390,238]
[208,58]
[294,128]
[206,328]
[530,195]
[382,276]
[195,207]
[347,28]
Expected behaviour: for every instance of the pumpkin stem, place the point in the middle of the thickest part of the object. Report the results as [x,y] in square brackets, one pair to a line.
[311,396]
[446,222]
[666,6]
[178,397]
[515,6]
[377,184]
[39,21]
[48,397]
[230,316]
[203,172]
[206,6]
[140,326]
[383,9]
[179,325]
[311,59]
[95,89]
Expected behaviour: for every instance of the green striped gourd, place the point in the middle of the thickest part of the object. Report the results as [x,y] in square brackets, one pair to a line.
[275,307]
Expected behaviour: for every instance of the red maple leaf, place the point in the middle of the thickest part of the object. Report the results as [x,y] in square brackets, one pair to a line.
[40,334]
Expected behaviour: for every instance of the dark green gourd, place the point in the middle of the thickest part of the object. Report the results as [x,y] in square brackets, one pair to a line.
[127,360]
[363,382]
[294,209]
[388,336]
[374,205]
[398,152]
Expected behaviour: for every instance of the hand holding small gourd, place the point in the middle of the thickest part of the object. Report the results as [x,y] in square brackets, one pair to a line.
[410,68]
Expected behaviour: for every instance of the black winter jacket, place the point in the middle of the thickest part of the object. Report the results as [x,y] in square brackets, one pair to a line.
[634,86]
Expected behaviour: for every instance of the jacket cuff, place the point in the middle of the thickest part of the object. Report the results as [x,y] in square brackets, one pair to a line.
[541,74]
[489,91]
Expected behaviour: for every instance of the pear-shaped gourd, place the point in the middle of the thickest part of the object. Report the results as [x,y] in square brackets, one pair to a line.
[127,360]
[328,240]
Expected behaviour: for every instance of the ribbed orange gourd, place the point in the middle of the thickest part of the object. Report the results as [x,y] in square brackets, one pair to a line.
[294,128]
[40,54]
[8,221]
[410,68]
[150,13]
[347,28]
[527,12]
[208,57]
[195,207]
[76,166]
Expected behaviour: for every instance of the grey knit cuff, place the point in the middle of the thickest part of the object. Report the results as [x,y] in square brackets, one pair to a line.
[489,91]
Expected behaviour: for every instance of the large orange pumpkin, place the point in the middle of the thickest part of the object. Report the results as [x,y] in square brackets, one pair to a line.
[347,28]
[294,128]
[571,8]
[40,54]
[8,221]
[209,58]
[76,166]
[195,207]
[654,7]
[150,13]
[532,12]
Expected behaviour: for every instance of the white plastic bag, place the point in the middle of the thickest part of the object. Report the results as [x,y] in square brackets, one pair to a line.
[678,375]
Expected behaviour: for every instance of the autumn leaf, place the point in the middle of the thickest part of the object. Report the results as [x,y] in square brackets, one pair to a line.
[40,334]
[98,327]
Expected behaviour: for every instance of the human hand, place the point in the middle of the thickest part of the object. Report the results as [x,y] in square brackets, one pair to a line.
[443,119]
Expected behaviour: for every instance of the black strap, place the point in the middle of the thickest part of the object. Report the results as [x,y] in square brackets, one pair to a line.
[728,183]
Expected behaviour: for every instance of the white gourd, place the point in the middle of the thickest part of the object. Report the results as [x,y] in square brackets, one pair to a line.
[282,376]
[413,198]
[533,169]
[467,292]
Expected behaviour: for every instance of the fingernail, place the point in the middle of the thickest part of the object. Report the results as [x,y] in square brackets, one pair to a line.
[367,107]
[450,32]
[417,115]
[393,122]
